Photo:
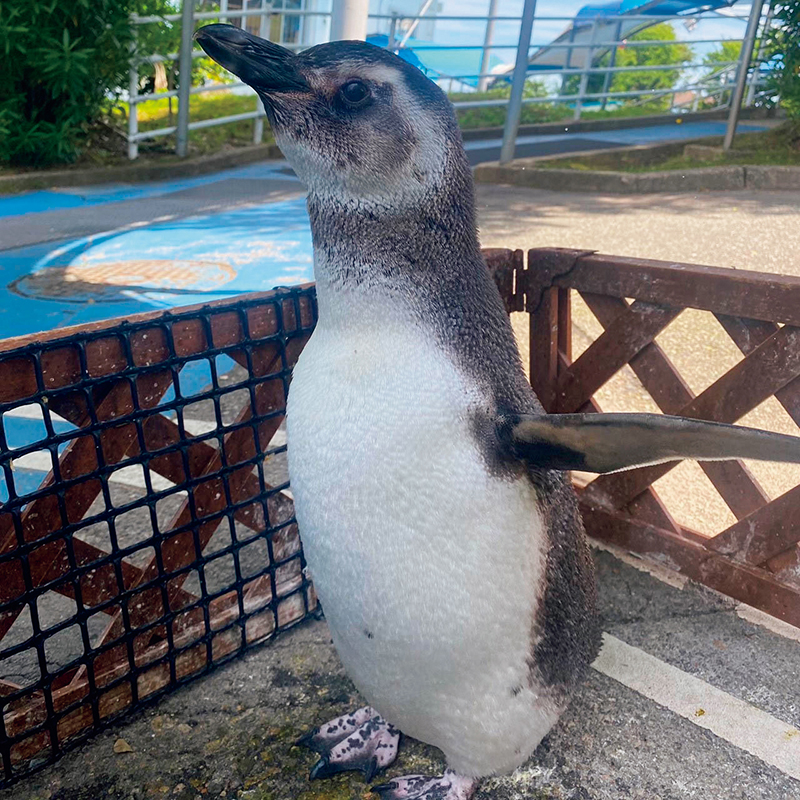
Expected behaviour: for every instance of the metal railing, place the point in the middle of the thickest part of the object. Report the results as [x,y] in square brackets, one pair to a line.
[710,83]
[567,71]
[189,18]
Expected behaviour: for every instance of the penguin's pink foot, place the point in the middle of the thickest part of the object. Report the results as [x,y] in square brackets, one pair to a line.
[362,741]
[450,786]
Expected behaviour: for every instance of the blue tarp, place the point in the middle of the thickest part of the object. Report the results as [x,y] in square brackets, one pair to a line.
[456,62]
[649,7]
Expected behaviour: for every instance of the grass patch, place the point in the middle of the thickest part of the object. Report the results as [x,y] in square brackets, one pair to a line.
[154,114]
[106,146]
[537,113]
[777,147]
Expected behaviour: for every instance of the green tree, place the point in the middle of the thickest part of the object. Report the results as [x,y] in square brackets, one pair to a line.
[720,73]
[66,63]
[784,48]
[62,59]
[726,52]
[675,55]
[157,38]
[164,37]
[669,54]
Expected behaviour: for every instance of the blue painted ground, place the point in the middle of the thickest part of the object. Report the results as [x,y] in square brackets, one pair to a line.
[180,262]
[73,197]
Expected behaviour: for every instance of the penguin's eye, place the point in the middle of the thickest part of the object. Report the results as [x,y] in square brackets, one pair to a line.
[354,93]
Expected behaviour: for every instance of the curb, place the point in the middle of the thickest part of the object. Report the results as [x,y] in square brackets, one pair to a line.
[135,173]
[695,180]
[772,177]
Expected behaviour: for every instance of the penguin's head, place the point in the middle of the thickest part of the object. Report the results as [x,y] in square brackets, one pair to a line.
[358,124]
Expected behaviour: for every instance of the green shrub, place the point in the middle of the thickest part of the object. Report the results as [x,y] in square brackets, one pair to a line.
[62,61]
[676,54]
[784,47]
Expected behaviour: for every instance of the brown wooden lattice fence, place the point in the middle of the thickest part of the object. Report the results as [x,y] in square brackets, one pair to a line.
[161,540]
[757,558]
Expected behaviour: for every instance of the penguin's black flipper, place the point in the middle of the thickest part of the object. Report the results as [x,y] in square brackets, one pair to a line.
[615,442]
[361,741]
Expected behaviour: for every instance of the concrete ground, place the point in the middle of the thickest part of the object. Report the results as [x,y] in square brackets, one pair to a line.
[755,230]
[230,734]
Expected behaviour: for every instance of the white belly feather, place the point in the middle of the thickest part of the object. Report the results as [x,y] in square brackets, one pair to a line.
[428,568]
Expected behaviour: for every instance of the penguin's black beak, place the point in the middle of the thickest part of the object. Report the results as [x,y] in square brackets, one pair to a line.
[267,67]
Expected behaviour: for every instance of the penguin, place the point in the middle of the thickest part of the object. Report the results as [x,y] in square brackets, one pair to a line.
[431,490]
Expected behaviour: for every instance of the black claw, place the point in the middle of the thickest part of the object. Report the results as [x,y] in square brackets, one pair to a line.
[322,769]
[370,769]
[307,739]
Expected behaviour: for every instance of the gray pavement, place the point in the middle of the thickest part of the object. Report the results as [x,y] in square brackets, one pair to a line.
[230,734]
[754,230]
[480,150]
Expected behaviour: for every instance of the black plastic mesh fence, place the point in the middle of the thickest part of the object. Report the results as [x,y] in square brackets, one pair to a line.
[147,531]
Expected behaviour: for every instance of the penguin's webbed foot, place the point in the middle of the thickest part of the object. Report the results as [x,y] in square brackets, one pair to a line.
[362,741]
[450,786]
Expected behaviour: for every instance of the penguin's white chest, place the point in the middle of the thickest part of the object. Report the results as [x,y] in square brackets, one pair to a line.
[429,567]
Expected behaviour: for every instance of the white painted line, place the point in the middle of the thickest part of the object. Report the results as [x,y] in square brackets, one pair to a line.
[743,725]
[40,461]
[197,427]
[759,617]
[32,411]
[133,475]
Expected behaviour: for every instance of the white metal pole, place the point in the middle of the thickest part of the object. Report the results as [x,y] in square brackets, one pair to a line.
[483,82]
[612,64]
[133,108]
[349,19]
[411,28]
[741,73]
[751,92]
[185,73]
[392,33]
[518,83]
[587,65]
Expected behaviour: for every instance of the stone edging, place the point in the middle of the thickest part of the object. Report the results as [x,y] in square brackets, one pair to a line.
[693,180]
[137,171]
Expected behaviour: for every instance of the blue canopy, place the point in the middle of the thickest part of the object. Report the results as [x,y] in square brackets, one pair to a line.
[463,64]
